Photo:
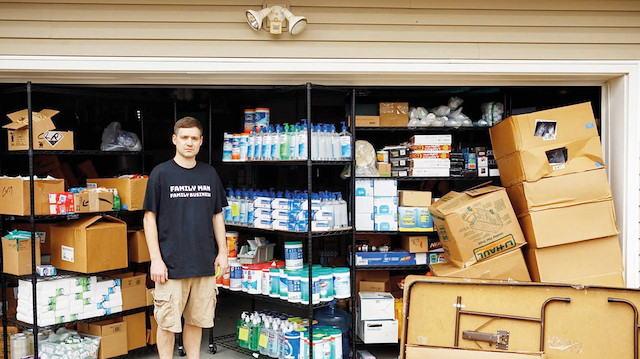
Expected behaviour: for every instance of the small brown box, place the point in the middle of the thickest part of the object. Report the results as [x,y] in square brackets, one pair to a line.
[113,336]
[366,121]
[414,198]
[134,290]
[16,255]
[394,114]
[138,250]
[384,169]
[136,330]
[374,286]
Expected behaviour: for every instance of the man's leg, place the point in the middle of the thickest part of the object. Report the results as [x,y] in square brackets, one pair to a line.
[191,338]
[165,340]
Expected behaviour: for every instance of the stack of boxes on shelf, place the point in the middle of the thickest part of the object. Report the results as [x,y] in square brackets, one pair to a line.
[480,234]
[398,161]
[413,212]
[376,318]
[430,155]
[68,299]
[552,165]
[385,205]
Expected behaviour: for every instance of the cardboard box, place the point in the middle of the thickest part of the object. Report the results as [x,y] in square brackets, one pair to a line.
[420,244]
[89,202]
[365,222]
[385,205]
[378,331]
[130,190]
[138,250]
[136,330]
[153,331]
[550,161]
[16,199]
[543,128]
[476,224]
[561,191]
[393,258]
[61,203]
[89,245]
[376,306]
[373,286]
[427,352]
[365,121]
[385,188]
[385,222]
[432,140]
[394,114]
[45,137]
[149,297]
[592,262]
[564,225]
[113,336]
[507,266]
[16,255]
[364,354]
[134,290]
[371,276]
[364,204]
[384,169]
[414,198]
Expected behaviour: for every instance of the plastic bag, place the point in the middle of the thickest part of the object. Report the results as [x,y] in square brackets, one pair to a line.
[365,159]
[114,139]
[491,113]
[455,102]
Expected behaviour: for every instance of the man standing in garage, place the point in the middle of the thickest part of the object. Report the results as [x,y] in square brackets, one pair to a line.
[185,232]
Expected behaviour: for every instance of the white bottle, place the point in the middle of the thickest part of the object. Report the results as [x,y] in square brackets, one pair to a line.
[345,142]
[328,146]
[294,153]
[257,145]
[336,152]
[266,144]
[303,141]
[315,142]
[251,143]
[275,144]
[322,143]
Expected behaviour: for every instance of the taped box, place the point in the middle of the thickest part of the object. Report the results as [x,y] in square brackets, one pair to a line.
[16,197]
[476,224]
[130,190]
[553,127]
[45,135]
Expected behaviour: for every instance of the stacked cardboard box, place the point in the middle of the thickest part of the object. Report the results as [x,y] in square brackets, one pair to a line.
[413,211]
[69,298]
[430,155]
[385,205]
[398,160]
[376,318]
[480,234]
[552,163]
[364,204]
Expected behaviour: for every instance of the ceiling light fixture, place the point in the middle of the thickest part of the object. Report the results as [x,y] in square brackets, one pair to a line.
[276,16]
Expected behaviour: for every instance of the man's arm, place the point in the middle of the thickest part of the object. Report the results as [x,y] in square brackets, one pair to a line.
[158,270]
[220,232]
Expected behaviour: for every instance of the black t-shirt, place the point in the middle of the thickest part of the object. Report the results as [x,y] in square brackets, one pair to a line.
[184,201]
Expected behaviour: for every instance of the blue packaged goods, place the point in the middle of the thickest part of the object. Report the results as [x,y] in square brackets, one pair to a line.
[395,258]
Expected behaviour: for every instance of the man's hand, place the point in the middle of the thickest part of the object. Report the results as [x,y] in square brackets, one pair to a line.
[221,262]
[158,271]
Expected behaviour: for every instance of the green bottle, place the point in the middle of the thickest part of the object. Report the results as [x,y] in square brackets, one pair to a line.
[116,201]
[284,143]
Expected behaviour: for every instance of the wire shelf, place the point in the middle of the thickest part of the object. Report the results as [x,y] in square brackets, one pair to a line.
[266,298]
[229,342]
[289,163]
[24,325]
[289,233]
[413,267]
[423,129]
[409,179]
[412,233]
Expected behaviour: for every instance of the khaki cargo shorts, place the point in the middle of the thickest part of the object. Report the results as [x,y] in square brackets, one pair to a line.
[193,298]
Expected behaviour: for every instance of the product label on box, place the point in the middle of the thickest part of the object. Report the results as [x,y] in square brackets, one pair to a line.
[67,254]
[490,249]
[53,137]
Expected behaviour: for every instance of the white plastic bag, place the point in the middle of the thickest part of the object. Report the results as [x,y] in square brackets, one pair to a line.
[114,139]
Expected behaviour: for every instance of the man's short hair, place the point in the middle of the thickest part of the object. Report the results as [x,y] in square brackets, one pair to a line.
[187,122]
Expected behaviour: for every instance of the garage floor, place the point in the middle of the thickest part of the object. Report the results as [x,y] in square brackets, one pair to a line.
[229,310]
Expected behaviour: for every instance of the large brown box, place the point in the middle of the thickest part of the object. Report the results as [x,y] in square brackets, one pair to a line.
[476,224]
[507,266]
[553,127]
[564,225]
[45,135]
[15,198]
[394,114]
[113,336]
[136,330]
[138,250]
[130,190]
[89,202]
[553,160]
[592,262]
[89,245]
[561,191]
[371,276]
[16,255]
[134,290]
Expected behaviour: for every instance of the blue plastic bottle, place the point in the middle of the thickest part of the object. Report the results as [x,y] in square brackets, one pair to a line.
[337,318]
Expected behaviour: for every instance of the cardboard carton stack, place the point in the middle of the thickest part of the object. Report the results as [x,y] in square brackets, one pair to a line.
[376,318]
[70,298]
[552,165]
[413,211]
[480,234]
[430,155]
[385,205]
[45,135]
[398,160]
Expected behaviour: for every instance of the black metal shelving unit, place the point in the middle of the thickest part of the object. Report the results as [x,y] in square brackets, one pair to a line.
[32,218]
[229,341]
